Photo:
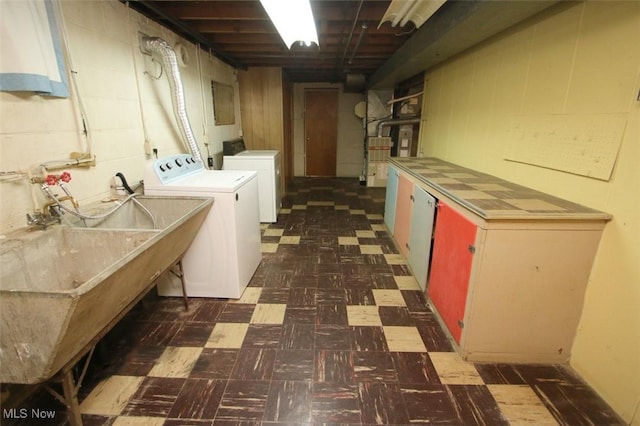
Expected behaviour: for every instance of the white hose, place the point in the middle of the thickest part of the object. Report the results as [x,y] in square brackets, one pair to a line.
[105,215]
[170,62]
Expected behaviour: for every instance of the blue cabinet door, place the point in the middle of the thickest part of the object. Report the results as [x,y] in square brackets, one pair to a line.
[390,199]
[423,213]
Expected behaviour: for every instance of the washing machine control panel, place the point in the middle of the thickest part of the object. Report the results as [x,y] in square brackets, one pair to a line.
[175,167]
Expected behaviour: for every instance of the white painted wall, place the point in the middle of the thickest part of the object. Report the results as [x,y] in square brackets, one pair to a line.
[124,107]
[578,60]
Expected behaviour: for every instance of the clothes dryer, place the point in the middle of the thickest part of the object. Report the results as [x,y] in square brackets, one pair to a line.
[267,164]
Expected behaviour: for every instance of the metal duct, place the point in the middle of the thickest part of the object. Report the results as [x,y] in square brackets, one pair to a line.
[384,123]
[354,83]
[170,62]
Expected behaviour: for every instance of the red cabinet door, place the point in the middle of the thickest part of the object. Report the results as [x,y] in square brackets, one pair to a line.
[402,226]
[451,266]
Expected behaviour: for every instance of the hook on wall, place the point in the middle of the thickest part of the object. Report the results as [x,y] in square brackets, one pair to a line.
[161,69]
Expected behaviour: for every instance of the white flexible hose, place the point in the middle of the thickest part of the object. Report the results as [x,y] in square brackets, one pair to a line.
[170,62]
[77,214]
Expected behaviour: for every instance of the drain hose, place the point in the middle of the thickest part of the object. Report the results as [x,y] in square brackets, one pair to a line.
[124,183]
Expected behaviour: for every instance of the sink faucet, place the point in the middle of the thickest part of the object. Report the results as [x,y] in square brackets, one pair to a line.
[42,220]
[53,209]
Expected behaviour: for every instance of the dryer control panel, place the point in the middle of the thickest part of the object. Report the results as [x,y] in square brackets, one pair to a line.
[174,167]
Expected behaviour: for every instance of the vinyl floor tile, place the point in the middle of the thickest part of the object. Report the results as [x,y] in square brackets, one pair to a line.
[328,336]
[294,365]
[263,336]
[243,400]
[403,339]
[111,395]
[388,297]
[454,370]
[382,403]
[429,404]
[198,399]
[374,366]
[250,295]
[175,362]
[154,397]
[370,249]
[335,403]
[192,334]
[406,283]
[368,338]
[520,405]
[363,315]
[214,363]
[227,335]
[289,402]
[138,421]
[268,313]
[254,364]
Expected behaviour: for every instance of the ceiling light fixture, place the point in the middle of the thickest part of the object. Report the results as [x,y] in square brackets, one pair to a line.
[418,11]
[293,20]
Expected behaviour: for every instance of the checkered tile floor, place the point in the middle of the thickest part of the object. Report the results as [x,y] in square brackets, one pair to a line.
[331,330]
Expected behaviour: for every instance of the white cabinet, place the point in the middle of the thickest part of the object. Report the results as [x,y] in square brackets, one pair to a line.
[509,265]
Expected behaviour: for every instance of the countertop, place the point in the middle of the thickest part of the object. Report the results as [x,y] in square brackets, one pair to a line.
[491,197]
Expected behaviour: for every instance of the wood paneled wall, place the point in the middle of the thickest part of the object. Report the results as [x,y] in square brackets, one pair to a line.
[265,110]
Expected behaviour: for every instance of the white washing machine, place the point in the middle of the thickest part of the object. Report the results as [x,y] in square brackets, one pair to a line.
[267,164]
[226,251]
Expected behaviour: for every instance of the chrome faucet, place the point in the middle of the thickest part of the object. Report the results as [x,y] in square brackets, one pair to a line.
[42,220]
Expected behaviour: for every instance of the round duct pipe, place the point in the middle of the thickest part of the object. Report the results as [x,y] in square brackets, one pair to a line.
[171,65]
[354,83]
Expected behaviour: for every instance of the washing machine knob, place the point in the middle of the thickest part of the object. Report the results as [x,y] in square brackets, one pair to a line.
[178,162]
[168,165]
[161,167]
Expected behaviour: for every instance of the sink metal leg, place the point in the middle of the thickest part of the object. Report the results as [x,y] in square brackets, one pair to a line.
[184,288]
[179,272]
[71,398]
[70,389]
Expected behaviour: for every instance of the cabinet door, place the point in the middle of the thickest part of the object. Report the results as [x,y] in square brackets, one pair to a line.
[402,226]
[390,199]
[453,249]
[424,208]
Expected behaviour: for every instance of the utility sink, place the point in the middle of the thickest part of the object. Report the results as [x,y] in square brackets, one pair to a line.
[62,288]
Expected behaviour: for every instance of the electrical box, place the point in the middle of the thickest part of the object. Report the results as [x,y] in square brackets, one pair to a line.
[405,139]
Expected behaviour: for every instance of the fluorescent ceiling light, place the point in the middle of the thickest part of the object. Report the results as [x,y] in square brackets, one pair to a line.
[293,19]
[402,11]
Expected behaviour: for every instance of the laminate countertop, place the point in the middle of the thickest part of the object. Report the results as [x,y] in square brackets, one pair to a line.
[490,197]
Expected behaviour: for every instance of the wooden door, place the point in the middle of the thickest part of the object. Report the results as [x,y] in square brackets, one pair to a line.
[453,249]
[320,131]
[402,225]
